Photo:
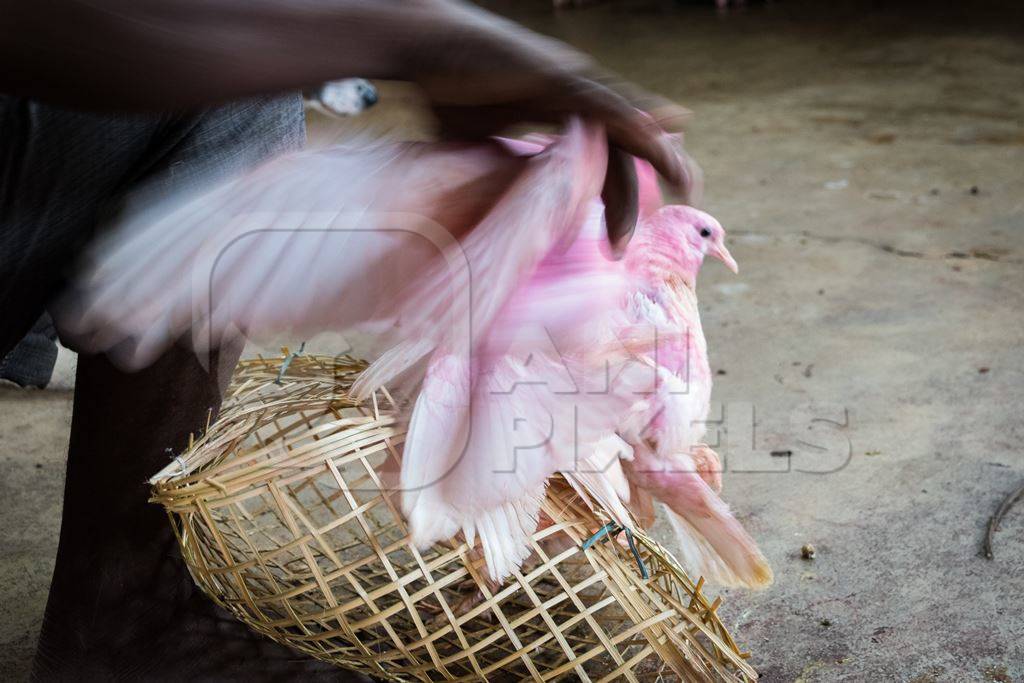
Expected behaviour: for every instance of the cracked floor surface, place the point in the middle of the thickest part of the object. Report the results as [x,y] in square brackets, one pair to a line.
[869,164]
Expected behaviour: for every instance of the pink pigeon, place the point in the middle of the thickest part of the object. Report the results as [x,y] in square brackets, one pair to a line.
[656,286]
[466,468]
[486,433]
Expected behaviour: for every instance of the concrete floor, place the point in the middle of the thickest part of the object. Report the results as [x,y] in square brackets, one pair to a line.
[869,166]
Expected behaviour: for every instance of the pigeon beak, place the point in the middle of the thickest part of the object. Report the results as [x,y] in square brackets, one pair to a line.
[720,252]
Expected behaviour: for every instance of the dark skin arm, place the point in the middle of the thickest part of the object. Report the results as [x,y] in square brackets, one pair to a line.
[480,73]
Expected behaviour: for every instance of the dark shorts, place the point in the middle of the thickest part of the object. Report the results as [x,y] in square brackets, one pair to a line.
[63,174]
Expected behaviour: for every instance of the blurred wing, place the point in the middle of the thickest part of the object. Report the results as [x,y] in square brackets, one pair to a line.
[309,241]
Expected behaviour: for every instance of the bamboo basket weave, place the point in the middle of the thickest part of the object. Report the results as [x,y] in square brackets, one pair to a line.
[281,519]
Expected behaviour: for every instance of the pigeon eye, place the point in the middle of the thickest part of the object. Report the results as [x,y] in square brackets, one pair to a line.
[705,232]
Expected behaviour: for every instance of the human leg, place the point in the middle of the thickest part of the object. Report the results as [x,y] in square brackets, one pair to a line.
[121,603]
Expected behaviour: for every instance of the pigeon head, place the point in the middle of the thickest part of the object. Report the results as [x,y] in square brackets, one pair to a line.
[700,233]
[679,237]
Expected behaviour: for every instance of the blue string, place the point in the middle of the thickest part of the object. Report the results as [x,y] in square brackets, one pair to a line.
[636,555]
[601,533]
[613,529]
[287,362]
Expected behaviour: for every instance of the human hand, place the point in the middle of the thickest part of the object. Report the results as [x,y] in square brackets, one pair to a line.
[482,74]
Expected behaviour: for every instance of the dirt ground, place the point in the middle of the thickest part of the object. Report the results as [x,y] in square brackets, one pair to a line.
[868,163]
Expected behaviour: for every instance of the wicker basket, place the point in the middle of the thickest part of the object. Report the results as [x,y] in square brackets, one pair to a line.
[280,515]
